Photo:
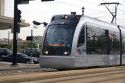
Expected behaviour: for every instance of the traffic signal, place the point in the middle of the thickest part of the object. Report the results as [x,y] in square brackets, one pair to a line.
[47,0]
[36,23]
[19,16]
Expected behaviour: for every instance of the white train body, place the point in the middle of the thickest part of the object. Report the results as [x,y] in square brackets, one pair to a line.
[75,41]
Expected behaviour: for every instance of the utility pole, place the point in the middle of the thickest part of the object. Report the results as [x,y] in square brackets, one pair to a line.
[14,62]
[31,47]
[8,38]
[114,14]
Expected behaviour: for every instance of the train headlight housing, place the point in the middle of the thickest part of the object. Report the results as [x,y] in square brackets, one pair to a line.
[66,52]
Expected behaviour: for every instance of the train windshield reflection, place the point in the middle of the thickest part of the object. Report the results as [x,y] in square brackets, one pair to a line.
[59,36]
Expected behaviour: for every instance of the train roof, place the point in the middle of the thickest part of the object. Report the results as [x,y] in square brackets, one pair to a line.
[96,20]
[71,16]
[87,19]
[113,27]
[99,22]
[66,16]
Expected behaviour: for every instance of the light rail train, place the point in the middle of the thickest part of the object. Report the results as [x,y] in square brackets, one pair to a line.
[77,41]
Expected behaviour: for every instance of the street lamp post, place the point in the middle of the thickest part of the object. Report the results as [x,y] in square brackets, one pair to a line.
[31,61]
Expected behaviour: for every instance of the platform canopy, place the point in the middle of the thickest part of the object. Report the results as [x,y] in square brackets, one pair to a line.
[7,23]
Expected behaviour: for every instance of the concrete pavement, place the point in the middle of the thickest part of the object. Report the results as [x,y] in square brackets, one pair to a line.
[7,65]
[49,75]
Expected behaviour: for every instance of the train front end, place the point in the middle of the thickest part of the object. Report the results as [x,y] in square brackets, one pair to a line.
[57,44]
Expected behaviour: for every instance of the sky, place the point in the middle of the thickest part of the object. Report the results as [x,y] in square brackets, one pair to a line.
[43,11]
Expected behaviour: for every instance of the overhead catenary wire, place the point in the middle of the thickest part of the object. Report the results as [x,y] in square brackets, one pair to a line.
[114,6]
[95,10]
[87,2]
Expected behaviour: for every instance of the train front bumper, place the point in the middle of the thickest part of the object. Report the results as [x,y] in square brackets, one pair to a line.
[58,62]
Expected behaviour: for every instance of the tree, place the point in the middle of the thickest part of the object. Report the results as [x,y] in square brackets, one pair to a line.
[33,45]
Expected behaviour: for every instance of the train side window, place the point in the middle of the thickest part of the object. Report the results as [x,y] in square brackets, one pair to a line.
[95,40]
[114,43]
[81,39]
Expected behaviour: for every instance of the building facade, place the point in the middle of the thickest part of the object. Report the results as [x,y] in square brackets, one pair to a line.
[7,22]
[1,7]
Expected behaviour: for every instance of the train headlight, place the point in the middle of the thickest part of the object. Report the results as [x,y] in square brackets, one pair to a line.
[65,17]
[65,53]
[46,52]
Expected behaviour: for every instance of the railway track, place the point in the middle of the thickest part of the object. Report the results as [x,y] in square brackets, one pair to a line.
[114,76]
[41,75]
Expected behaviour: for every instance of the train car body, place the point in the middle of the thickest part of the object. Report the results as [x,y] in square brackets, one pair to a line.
[77,41]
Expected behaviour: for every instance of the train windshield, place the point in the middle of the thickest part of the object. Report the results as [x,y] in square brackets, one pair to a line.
[58,39]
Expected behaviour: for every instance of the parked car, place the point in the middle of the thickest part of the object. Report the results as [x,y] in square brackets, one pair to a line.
[21,58]
[5,51]
[35,52]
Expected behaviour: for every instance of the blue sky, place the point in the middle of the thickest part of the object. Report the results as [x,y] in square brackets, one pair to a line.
[43,11]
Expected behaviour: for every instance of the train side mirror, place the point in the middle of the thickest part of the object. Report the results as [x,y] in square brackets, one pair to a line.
[45,24]
[39,23]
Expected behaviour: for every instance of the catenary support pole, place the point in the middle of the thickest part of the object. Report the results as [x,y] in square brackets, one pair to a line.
[120,45]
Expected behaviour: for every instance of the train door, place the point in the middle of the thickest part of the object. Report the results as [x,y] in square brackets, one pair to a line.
[81,49]
[107,48]
[95,44]
[102,46]
[113,48]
